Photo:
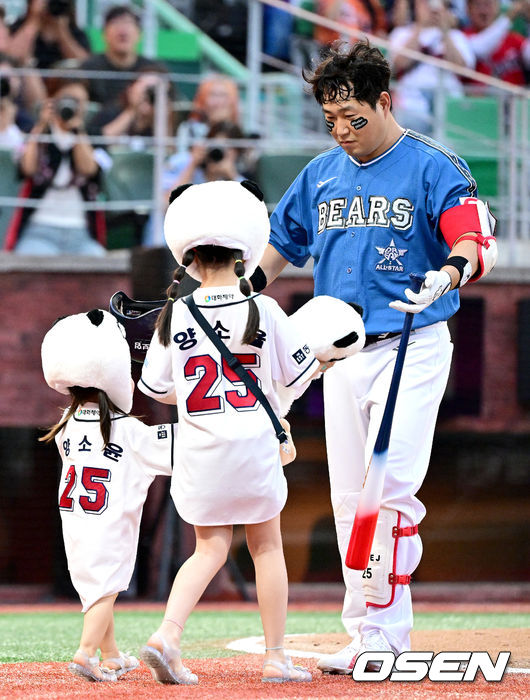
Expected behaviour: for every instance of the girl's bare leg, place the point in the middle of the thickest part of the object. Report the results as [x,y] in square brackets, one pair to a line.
[211,550]
[98,630]
[265,546]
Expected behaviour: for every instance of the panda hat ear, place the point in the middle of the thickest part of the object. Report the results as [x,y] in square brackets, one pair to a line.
[178,191]
[356,307]
[95,316]
[253,187]
[89,350]
[224,213]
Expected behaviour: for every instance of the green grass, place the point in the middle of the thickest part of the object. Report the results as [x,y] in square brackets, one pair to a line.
[51,636]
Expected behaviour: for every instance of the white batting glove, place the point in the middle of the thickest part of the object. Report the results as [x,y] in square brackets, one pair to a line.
[437,283]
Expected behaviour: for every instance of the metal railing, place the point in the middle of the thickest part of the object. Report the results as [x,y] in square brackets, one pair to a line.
[277,107]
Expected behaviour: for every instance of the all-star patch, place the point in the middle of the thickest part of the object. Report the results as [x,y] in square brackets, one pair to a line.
[391,257]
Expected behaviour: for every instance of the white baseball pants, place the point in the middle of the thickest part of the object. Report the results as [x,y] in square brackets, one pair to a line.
[355,392]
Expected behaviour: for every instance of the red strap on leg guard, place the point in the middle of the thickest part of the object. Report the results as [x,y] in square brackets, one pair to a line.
[386,558]
[403,580]
[405,531]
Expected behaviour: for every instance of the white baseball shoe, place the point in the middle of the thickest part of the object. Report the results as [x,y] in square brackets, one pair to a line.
[373,641]
[342,661]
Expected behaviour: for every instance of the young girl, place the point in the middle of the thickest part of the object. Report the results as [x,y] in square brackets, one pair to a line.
[228,468]
[109,461]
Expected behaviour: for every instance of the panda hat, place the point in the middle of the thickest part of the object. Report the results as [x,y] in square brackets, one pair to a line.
[332,328]
[89,350]
[224,213]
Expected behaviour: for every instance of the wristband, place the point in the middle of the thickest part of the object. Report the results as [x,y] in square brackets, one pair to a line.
[463,266]
[258,279]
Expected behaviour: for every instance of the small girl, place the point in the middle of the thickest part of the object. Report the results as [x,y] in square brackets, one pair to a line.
[228,468]
[109,461]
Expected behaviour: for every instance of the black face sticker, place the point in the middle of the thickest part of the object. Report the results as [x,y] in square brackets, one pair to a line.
[359,122]
[329,125]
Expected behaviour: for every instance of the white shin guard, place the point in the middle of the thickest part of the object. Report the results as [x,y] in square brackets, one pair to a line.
[382,575]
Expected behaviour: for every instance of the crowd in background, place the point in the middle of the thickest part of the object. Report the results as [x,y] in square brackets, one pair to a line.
[489,35]
[46,122]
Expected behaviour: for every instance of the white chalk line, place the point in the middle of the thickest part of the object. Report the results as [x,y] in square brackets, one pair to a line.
[256,645]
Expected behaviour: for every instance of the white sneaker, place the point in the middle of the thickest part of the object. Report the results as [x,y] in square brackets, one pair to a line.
[342,661]
[373,641]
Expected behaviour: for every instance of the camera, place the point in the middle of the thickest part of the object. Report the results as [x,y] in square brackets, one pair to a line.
[150,94]
[5,87]
[215,155]
[58,7]
[66,108]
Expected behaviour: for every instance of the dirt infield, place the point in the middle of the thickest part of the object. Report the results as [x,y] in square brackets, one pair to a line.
[491,640]
[237,678]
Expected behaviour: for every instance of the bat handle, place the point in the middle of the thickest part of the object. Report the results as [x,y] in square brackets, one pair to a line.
[416,280]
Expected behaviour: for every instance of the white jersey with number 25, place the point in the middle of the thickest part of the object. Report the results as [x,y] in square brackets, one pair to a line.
[227,463]
[101,496]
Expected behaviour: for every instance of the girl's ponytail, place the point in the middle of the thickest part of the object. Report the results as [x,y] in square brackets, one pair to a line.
[80,395]
[252,327]
[163,322]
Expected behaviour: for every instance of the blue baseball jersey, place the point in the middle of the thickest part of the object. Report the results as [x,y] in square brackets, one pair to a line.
[368,225]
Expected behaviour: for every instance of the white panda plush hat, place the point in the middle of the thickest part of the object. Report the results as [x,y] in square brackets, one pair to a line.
[225,213]
[89,350]
[332,328]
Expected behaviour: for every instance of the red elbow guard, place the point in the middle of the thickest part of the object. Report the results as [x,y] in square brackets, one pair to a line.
[472,220]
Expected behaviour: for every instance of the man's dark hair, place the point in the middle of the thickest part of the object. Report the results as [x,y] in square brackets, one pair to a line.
[361,72]
[118,11]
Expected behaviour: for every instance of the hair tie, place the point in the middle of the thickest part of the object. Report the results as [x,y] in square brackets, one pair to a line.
[241,278]
[170,299]
[238,260]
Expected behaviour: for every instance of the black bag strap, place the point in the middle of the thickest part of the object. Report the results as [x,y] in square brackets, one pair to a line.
[236,366]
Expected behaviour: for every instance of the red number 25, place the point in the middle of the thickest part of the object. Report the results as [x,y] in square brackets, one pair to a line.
[92,479]
[204,398]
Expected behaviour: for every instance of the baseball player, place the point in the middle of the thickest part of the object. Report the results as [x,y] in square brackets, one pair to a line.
[383,203]
[228,468]
[109,461]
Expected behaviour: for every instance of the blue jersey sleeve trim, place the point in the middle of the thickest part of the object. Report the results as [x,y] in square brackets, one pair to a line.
[302,373]
[150,389]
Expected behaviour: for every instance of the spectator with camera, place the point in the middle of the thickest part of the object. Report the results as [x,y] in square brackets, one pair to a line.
[48,34]
[432,32]
[61,170]
[134,114]
[121,33]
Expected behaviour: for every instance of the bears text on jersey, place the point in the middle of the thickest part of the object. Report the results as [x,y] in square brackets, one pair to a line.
[340,213]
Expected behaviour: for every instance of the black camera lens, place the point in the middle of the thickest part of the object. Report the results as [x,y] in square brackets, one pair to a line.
[67,107]
[215,155]
[5,86]
[58,7]
[150,94]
